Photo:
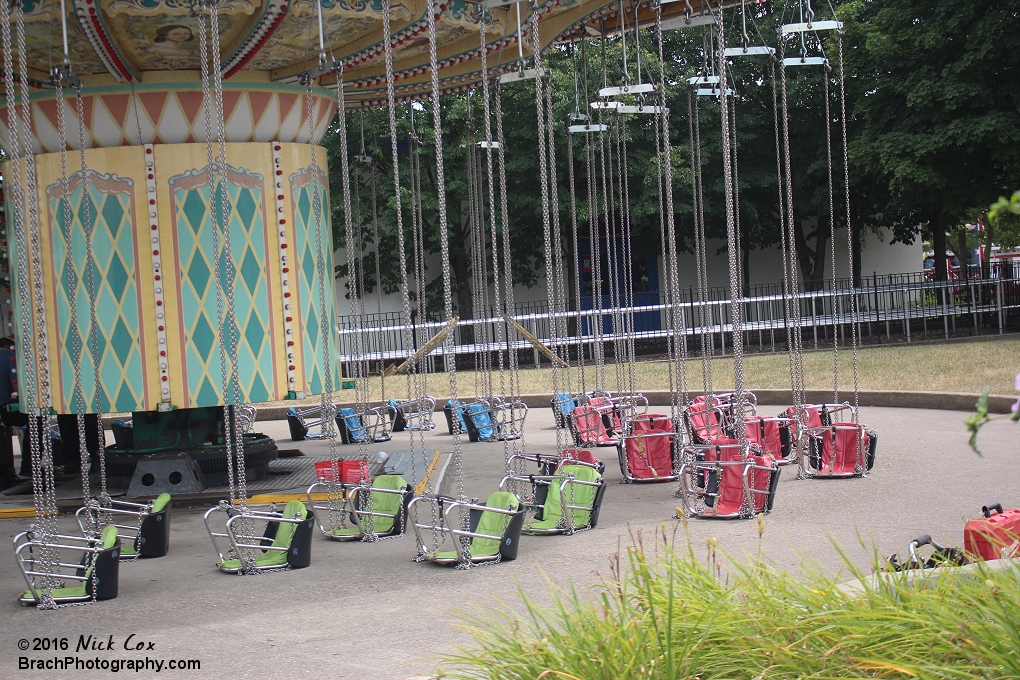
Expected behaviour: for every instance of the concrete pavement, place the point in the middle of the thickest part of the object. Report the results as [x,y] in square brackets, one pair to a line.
[366,611]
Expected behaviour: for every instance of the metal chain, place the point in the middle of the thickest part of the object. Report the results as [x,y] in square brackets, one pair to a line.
[233,436]
[736,311]
[854,321]
[700,264]
[832,239]
[677,326]
[546,177]
[90,277]
[444,248]
[71,272]
[20,138]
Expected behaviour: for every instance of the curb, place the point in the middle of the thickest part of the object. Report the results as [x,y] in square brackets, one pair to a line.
[942,401]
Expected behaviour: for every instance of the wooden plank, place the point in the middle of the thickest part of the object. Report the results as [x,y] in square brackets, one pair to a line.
[424,350]
[546,352]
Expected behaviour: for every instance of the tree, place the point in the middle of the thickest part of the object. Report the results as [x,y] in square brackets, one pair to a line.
[936,108]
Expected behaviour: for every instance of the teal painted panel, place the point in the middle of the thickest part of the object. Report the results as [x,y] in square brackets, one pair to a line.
[249,339]
[307,247]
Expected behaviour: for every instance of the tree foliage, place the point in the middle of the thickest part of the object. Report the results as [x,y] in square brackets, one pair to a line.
[933,118]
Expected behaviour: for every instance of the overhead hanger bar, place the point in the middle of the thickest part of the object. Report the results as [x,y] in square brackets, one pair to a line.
[689,20]
[703,80]
[488,145]
[523,74]
[748,51]
[805,61]
[596,127]
[790,29]
[489,4]
[713,92]
[626,89]
[627,108]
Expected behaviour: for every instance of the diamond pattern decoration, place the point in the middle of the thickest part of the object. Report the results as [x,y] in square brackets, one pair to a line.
[253,307]
[117,364]
[302,187]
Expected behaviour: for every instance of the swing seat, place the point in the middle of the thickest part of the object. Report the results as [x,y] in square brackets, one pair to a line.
[149,537]
[290,531]
[479,422]
[389,495]
[565,502]
[724,481]
[97,573]
[843,450]
[588,427]
[704,420]
[647,455]
[772,435]
[302,421]
[582,457]
[454,408]
[373,426]
[413,414]
[563,404]
[494,529]
[647,422]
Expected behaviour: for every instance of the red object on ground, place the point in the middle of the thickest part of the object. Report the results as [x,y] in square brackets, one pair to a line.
[987,537]
[351,471]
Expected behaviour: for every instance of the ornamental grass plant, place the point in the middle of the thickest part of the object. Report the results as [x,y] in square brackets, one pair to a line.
[669,613]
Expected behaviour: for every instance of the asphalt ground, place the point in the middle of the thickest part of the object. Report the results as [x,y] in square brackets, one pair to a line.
[367,611]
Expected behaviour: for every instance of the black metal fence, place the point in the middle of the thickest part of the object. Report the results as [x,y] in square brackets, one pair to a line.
[908,306]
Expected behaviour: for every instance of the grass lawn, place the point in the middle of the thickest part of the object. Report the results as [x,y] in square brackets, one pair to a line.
[950,367]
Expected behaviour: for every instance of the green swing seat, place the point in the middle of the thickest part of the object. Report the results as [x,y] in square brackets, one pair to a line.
[587,496]
[389,509]
[284,538]
[102,580]
[507,527]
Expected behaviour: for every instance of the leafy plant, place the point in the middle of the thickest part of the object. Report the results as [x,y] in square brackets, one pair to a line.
[667,614]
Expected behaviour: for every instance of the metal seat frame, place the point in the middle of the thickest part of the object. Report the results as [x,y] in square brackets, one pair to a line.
[25,543]
[348,495]
[692,495]
[238,543]
[443,506]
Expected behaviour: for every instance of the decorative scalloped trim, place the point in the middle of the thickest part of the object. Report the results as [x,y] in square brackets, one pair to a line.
[91,22]
[271,19]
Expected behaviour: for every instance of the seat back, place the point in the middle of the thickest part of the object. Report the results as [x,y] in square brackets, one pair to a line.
[399,421]
[576,494]
[285,530]
[587,425]
[728,485]
[704,421]
[479,422]
[455,409]
[494,523]
[352,430]
[104,572]
[390,504]
[649,454]
[843,448]
[564,403]
[298,429]
[581,456]
[651,421]
[762,482]
[153,538]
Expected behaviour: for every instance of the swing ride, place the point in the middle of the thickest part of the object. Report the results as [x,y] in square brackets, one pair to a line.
[246,312]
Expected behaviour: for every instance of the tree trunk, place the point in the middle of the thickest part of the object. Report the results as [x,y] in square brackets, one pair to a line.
[938,243]
[803,256]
